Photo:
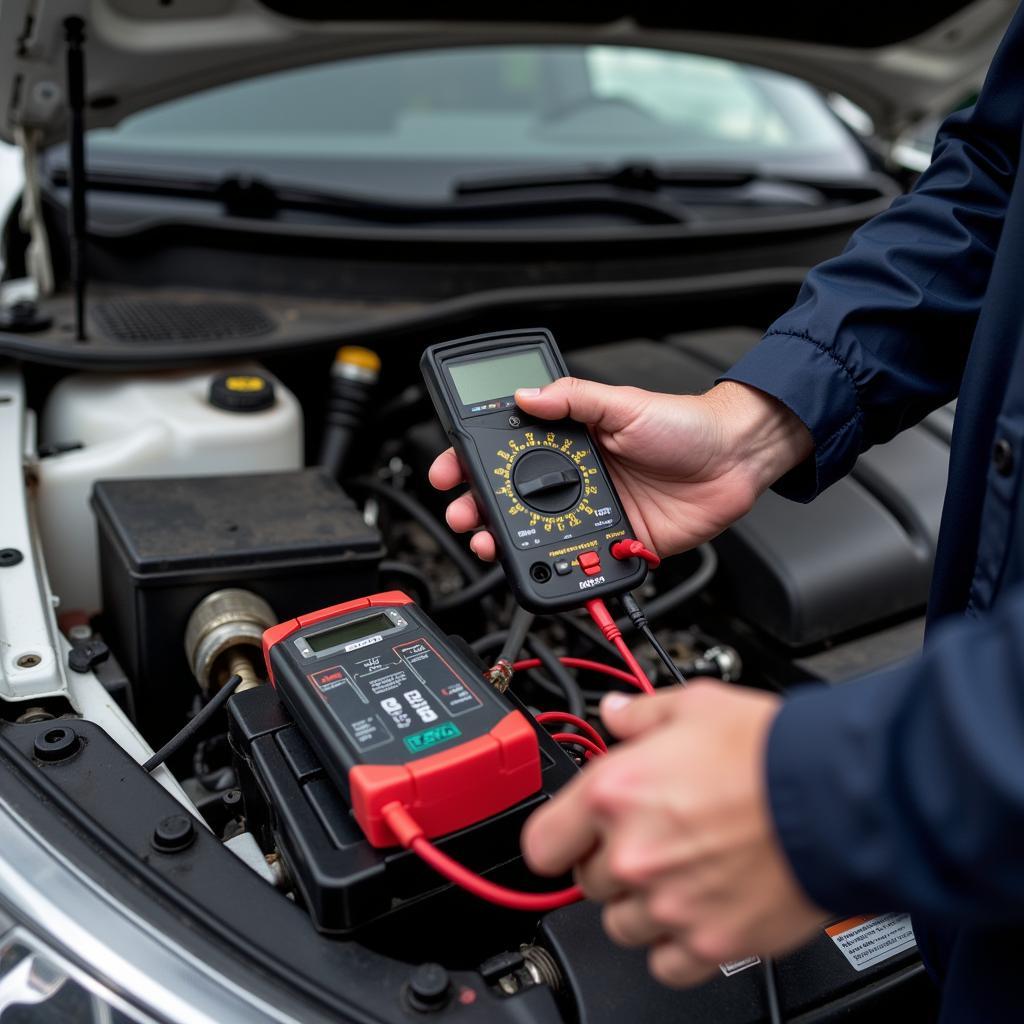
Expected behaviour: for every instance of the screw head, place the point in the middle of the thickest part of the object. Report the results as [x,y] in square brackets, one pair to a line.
[28,661]
[430,988]
[9,557]
[514,421]
[174,834]
[56,744]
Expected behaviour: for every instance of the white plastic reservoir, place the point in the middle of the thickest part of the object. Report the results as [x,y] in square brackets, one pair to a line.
[139,425]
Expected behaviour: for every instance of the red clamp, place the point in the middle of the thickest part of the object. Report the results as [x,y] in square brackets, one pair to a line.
[623,549]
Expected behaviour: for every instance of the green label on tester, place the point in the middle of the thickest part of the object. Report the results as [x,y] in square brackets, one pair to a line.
[431,737]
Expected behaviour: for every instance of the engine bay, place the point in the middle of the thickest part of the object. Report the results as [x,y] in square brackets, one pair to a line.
[171,517]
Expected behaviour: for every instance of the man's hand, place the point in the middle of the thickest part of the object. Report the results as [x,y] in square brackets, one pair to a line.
[685,466]
[673,831]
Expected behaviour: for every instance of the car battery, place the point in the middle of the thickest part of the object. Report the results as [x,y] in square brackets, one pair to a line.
[294,538]
[293,807]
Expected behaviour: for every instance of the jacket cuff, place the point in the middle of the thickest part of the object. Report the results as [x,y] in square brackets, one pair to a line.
[823,810]
[818,387]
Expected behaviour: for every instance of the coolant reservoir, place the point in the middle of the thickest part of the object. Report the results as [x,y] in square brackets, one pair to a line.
[235,419]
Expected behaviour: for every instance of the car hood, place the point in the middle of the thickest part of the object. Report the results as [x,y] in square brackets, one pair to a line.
[899,62]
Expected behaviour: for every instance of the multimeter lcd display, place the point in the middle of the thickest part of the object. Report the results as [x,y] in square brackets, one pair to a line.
[485,379]
[349,632]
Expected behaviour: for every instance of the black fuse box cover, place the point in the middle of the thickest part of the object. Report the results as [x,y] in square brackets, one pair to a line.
[292,805]
[295,538]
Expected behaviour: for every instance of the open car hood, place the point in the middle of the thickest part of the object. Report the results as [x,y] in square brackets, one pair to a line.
[900,62]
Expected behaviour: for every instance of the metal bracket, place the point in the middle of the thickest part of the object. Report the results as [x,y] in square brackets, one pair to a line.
[31,659]
[33,653]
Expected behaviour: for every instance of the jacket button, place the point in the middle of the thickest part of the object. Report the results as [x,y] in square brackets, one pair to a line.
[1002,457]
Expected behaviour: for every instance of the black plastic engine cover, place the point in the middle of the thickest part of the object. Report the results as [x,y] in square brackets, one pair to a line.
[860,554]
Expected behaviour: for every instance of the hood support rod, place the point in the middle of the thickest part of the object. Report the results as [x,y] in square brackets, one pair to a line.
[74,35]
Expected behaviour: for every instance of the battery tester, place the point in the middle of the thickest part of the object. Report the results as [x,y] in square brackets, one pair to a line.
[410,730]
[401,715]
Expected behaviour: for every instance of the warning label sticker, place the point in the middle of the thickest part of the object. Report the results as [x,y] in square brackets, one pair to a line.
[870,939]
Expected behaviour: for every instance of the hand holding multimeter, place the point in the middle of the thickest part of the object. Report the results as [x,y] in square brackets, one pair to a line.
[541,486]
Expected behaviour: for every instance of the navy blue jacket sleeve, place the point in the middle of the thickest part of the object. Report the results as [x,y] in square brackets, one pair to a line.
[878,336]
[905,790]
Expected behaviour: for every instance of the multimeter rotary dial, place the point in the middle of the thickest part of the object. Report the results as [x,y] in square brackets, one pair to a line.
[548,483]
[546,480]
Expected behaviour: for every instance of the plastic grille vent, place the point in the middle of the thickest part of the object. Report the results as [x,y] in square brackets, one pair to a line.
[128,320]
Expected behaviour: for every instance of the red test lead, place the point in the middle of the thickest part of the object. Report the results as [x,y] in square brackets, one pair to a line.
[410,835]
[623,549]
[606,623]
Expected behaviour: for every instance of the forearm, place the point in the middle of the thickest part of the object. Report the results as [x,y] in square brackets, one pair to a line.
[761,435]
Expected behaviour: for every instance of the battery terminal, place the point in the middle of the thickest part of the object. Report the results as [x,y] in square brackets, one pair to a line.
[499,675]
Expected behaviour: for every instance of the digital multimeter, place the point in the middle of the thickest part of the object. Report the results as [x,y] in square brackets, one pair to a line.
[396,713]
[542,488]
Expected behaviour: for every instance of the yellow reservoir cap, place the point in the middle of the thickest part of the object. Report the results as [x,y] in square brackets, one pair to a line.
[244,382]
[355,355]
[241,392]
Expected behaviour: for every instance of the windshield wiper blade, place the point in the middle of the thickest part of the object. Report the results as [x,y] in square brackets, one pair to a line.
[633,177]
[645,178]
[252,197]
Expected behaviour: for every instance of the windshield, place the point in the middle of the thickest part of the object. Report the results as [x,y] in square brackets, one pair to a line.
[414,123]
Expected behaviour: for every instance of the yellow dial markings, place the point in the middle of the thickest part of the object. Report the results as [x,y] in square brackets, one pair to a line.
[569,519]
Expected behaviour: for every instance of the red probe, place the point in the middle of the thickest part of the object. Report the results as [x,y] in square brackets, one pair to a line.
[623,549]
[603,619]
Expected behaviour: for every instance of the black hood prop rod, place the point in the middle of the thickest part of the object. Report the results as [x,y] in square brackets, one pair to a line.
[74,35]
